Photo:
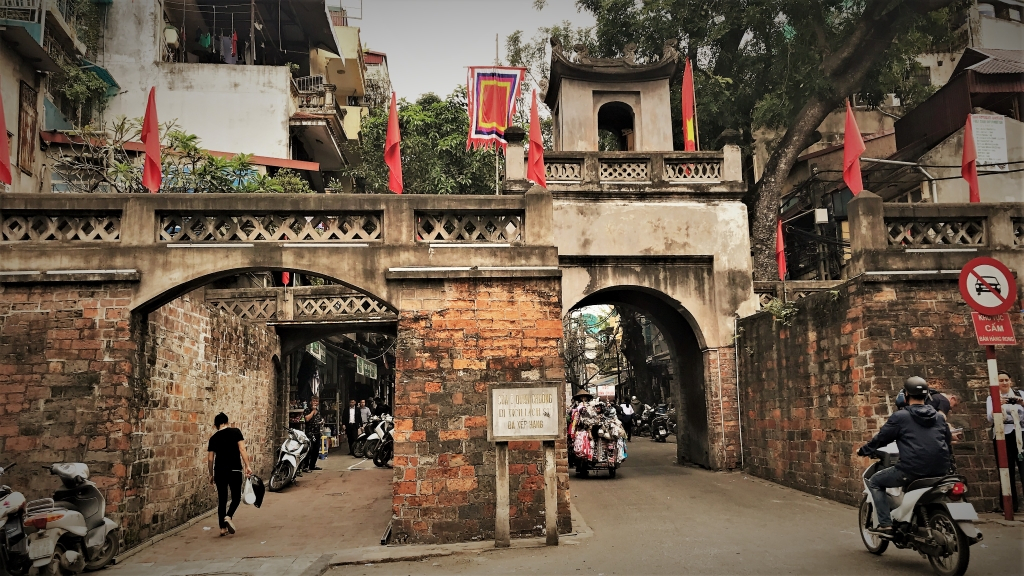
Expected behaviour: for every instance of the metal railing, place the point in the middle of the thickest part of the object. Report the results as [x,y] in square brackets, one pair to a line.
[21,10]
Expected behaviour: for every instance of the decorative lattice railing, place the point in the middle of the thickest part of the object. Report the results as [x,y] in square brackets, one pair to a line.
[29,227]
[625,170]
[255,309]
[462,227]
[924,233]
[351,305]
[1018,231]
[277,227]
[677,170]
[791,291]
[564,170]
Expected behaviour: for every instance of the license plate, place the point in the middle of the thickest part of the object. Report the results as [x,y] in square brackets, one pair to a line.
[661,430]
[962,511]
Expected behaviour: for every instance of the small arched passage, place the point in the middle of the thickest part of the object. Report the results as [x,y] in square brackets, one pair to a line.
[616,127]
[686,350]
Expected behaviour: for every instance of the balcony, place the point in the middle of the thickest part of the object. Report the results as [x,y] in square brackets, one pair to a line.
[21,28]
[319,122]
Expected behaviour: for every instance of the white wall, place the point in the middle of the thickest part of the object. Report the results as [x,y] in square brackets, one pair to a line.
[1000,34]
[995,188]
[231,108]
[579,102]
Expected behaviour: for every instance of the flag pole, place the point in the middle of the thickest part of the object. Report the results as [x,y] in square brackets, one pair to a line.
[696,123]
[497,188]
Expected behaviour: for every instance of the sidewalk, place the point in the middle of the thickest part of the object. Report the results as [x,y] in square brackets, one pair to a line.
[345,506]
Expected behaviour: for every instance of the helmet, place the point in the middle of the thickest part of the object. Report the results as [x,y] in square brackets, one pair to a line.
[915,386]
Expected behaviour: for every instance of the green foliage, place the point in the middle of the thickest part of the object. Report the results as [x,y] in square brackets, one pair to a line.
[99,162]
[88,24]
[80,86]
[782,311]
[434,155]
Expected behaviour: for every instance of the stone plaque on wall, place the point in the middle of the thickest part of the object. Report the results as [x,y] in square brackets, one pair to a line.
[524,412]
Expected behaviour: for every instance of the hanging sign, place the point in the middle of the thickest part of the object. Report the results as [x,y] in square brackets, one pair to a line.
[524,413]
[318,351]
[366,368]
[987,286]
[993,330]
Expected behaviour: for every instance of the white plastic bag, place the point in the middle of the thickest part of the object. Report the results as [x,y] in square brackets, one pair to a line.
[248,496]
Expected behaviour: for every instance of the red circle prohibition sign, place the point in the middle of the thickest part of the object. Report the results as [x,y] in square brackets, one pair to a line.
[988,286]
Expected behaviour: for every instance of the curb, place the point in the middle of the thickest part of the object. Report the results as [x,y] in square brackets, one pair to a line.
[415,552]
[153,540]
[319,566]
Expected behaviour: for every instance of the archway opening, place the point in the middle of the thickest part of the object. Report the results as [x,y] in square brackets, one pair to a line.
[615,127]
[652,351]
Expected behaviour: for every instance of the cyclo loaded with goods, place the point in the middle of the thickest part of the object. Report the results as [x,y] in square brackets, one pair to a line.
[597,440]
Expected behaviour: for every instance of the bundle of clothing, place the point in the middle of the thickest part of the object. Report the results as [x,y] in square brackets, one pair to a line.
[596,433]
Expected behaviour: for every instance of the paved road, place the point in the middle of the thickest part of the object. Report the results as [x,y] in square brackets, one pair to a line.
[660,518]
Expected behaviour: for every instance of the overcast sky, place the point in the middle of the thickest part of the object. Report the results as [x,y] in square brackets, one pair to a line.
[430,42]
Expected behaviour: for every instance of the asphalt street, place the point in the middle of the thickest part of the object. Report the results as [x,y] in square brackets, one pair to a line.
[660,518]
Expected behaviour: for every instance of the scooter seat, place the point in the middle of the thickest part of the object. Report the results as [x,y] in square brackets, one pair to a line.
[923,483]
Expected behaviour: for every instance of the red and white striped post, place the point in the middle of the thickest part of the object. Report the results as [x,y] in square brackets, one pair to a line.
[1000,435]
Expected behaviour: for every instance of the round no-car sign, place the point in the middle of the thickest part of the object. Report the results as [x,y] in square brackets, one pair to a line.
[987,286]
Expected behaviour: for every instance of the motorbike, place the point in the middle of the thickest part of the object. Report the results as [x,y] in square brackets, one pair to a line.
[642,424]
[14,558]
[386,448]
[930,516]
[373,440]
[359,446]
[68,534]
[660,424]
[287,459]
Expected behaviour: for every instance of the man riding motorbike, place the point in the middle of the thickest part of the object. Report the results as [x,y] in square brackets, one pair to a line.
[923,440]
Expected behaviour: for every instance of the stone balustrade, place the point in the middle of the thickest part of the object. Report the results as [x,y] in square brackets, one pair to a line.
[889,238]
[303,303]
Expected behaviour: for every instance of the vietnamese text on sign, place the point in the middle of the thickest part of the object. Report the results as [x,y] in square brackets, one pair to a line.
[524,413]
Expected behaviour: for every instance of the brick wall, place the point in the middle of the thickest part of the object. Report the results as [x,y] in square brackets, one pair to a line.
[815,391]
[66,384]
[197,362]
[455,339]
[75,387]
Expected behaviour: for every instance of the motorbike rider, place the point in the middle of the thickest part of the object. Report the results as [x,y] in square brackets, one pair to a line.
[923,440]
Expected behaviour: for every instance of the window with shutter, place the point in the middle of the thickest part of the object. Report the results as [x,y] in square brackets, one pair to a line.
[28,128]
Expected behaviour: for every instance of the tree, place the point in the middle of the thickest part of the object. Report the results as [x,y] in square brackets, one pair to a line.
[434,155]
[771,63]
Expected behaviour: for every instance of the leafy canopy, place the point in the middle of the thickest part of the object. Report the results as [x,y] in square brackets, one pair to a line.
[434,155]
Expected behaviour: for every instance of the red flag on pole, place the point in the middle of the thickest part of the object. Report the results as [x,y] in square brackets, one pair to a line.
[286,278]
[151,176]
[780,251]
[535,163]
[392,149]
[5,149]
[969,164]
[689,110]
[853,147]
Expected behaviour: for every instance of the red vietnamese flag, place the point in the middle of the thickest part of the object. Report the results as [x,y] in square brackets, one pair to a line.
[535,163]
[689,110]
[392,149]
[5,149]
[853,147]
[780,251]
[969,164]
[151,176]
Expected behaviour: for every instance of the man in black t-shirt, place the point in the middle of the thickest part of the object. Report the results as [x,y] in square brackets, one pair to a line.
[229,466]
[314,429]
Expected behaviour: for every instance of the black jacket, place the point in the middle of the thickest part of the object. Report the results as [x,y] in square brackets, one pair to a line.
[923,439]
[345,419]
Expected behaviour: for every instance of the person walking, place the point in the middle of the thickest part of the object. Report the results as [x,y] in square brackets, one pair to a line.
[365,411]
[229,466]
[626,415]
[1012,402]
[314,430]
[351,419]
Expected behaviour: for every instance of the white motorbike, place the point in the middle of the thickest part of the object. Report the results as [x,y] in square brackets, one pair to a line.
[287,459]
[69,534]
[373,441]
[14,557]
[929,516]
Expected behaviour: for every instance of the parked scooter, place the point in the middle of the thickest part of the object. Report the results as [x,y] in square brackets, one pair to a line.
[359,447]
[660,424]
[929,516]
[14,557]
[69,533]
[386,449]
[373,440]
[287,459]
[642,426]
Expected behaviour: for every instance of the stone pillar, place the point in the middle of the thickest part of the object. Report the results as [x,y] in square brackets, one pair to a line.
[867,228]
[515,159]
[539,217]
[732,163]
